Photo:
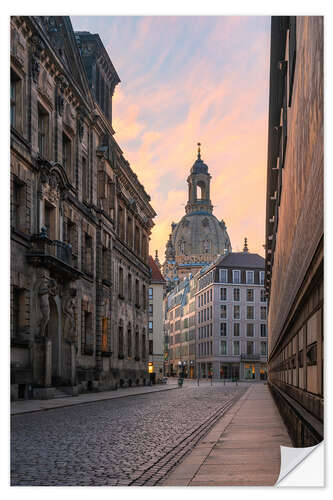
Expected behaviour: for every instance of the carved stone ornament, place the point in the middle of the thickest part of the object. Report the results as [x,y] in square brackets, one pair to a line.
[60,104]
[68,309]
[80,128]
[35,69]
[46,287]
[37,46]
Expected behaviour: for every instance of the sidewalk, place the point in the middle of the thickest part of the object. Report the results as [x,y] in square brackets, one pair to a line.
[242,449]
[32,405]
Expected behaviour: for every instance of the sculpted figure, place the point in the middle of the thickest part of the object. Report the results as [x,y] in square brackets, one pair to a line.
[69,306]
[46,287]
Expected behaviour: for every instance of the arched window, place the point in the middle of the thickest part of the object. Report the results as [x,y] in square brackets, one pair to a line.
[121,340]
[129,340]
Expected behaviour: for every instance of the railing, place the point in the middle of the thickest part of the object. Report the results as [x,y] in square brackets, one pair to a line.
[250,357]
[43,246]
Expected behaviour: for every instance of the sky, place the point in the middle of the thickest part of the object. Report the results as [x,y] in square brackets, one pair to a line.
[185,80]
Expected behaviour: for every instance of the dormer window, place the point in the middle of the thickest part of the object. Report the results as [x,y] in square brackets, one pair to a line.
[236,275]
[250,277]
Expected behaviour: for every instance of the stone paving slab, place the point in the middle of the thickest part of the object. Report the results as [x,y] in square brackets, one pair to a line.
[243,449]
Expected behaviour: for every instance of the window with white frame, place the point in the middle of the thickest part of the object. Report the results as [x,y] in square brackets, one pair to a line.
[236,294]
[263,348]
[263,312]
[223,347]
[262,295]
[263,330]
[223,294]
[262,277]
[249,330]
[236,329]
[236,275]
[250,277]
[223,276]
[249,295]
[236,347]
[249,312]
[223,329]
[237,312]
[223,311]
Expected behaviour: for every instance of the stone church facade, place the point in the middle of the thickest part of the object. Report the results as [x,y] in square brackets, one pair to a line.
[199,237]
[80,220]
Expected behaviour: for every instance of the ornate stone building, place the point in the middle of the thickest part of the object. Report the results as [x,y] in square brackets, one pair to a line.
[80,220]
[198,238]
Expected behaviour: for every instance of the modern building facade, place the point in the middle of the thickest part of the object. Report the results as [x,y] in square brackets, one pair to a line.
[80,220]
[199,237]
[231,318]
[294,225]
[156,293]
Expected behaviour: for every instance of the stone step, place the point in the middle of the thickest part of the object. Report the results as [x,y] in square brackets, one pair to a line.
[60,393]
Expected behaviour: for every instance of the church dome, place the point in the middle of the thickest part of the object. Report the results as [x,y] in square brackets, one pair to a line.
[199,234]
[199,167]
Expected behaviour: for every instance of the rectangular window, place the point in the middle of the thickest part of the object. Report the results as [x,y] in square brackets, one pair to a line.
[263,332]
[262,277]
[250,277]
[211,294]
[85,180]
[236,329]
[249,295]
[263,348]
[129,229]
[249,329]
[151,350]
[236,347]
[104,334]
[66,154]
[263,312]
[249,312]
[223,294]
[150,309]
[223,347]
[223,329]
[121,282]
[236,276]
[150,326]
[262,295]
[137,293]
[87,263]
[236,312]
[150,295]
[249,347]
[15,101]
[236,294]
[129,287]
[144,297]
[223,276]
[223,311]
[43,131]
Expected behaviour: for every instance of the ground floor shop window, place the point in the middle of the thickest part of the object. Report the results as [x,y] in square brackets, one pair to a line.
[249,371]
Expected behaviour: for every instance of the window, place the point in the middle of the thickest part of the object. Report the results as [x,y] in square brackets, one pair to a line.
[249,295]
[129,287]
[211,294]
[249,347]
[105,263]
[236,329]
[151,348]
[223,311]
[129,341]
[250,277]
[249,312]
[121,223]
[86,341]
[66,153]
[236,294]
[249,330]
[137,346]
[263,312]
[49,220]
[43,131]
[150,295]
[150,309]
[144,297]
[223,329]
[18,204]
[15,101]
[223,276]
[137,294]
[121,282]
[85,180]
[104,334]
[262,277]
[236,347]
[87,262]
[263,348]
[262,295]
[236,276]
[223,294]
[263,332]
[120,340]
[143,346]
[236,312]
[150,326]
[223,347]
[129,236]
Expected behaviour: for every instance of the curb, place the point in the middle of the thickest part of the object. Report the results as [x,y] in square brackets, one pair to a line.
[78,403]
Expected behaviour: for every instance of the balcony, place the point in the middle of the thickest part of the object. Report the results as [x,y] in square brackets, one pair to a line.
[250,357]
[53,254]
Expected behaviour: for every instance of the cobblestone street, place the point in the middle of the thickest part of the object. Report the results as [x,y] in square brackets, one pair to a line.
[110,442]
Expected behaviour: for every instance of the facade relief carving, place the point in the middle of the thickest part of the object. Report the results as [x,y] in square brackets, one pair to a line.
[69,315]
[46,287]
